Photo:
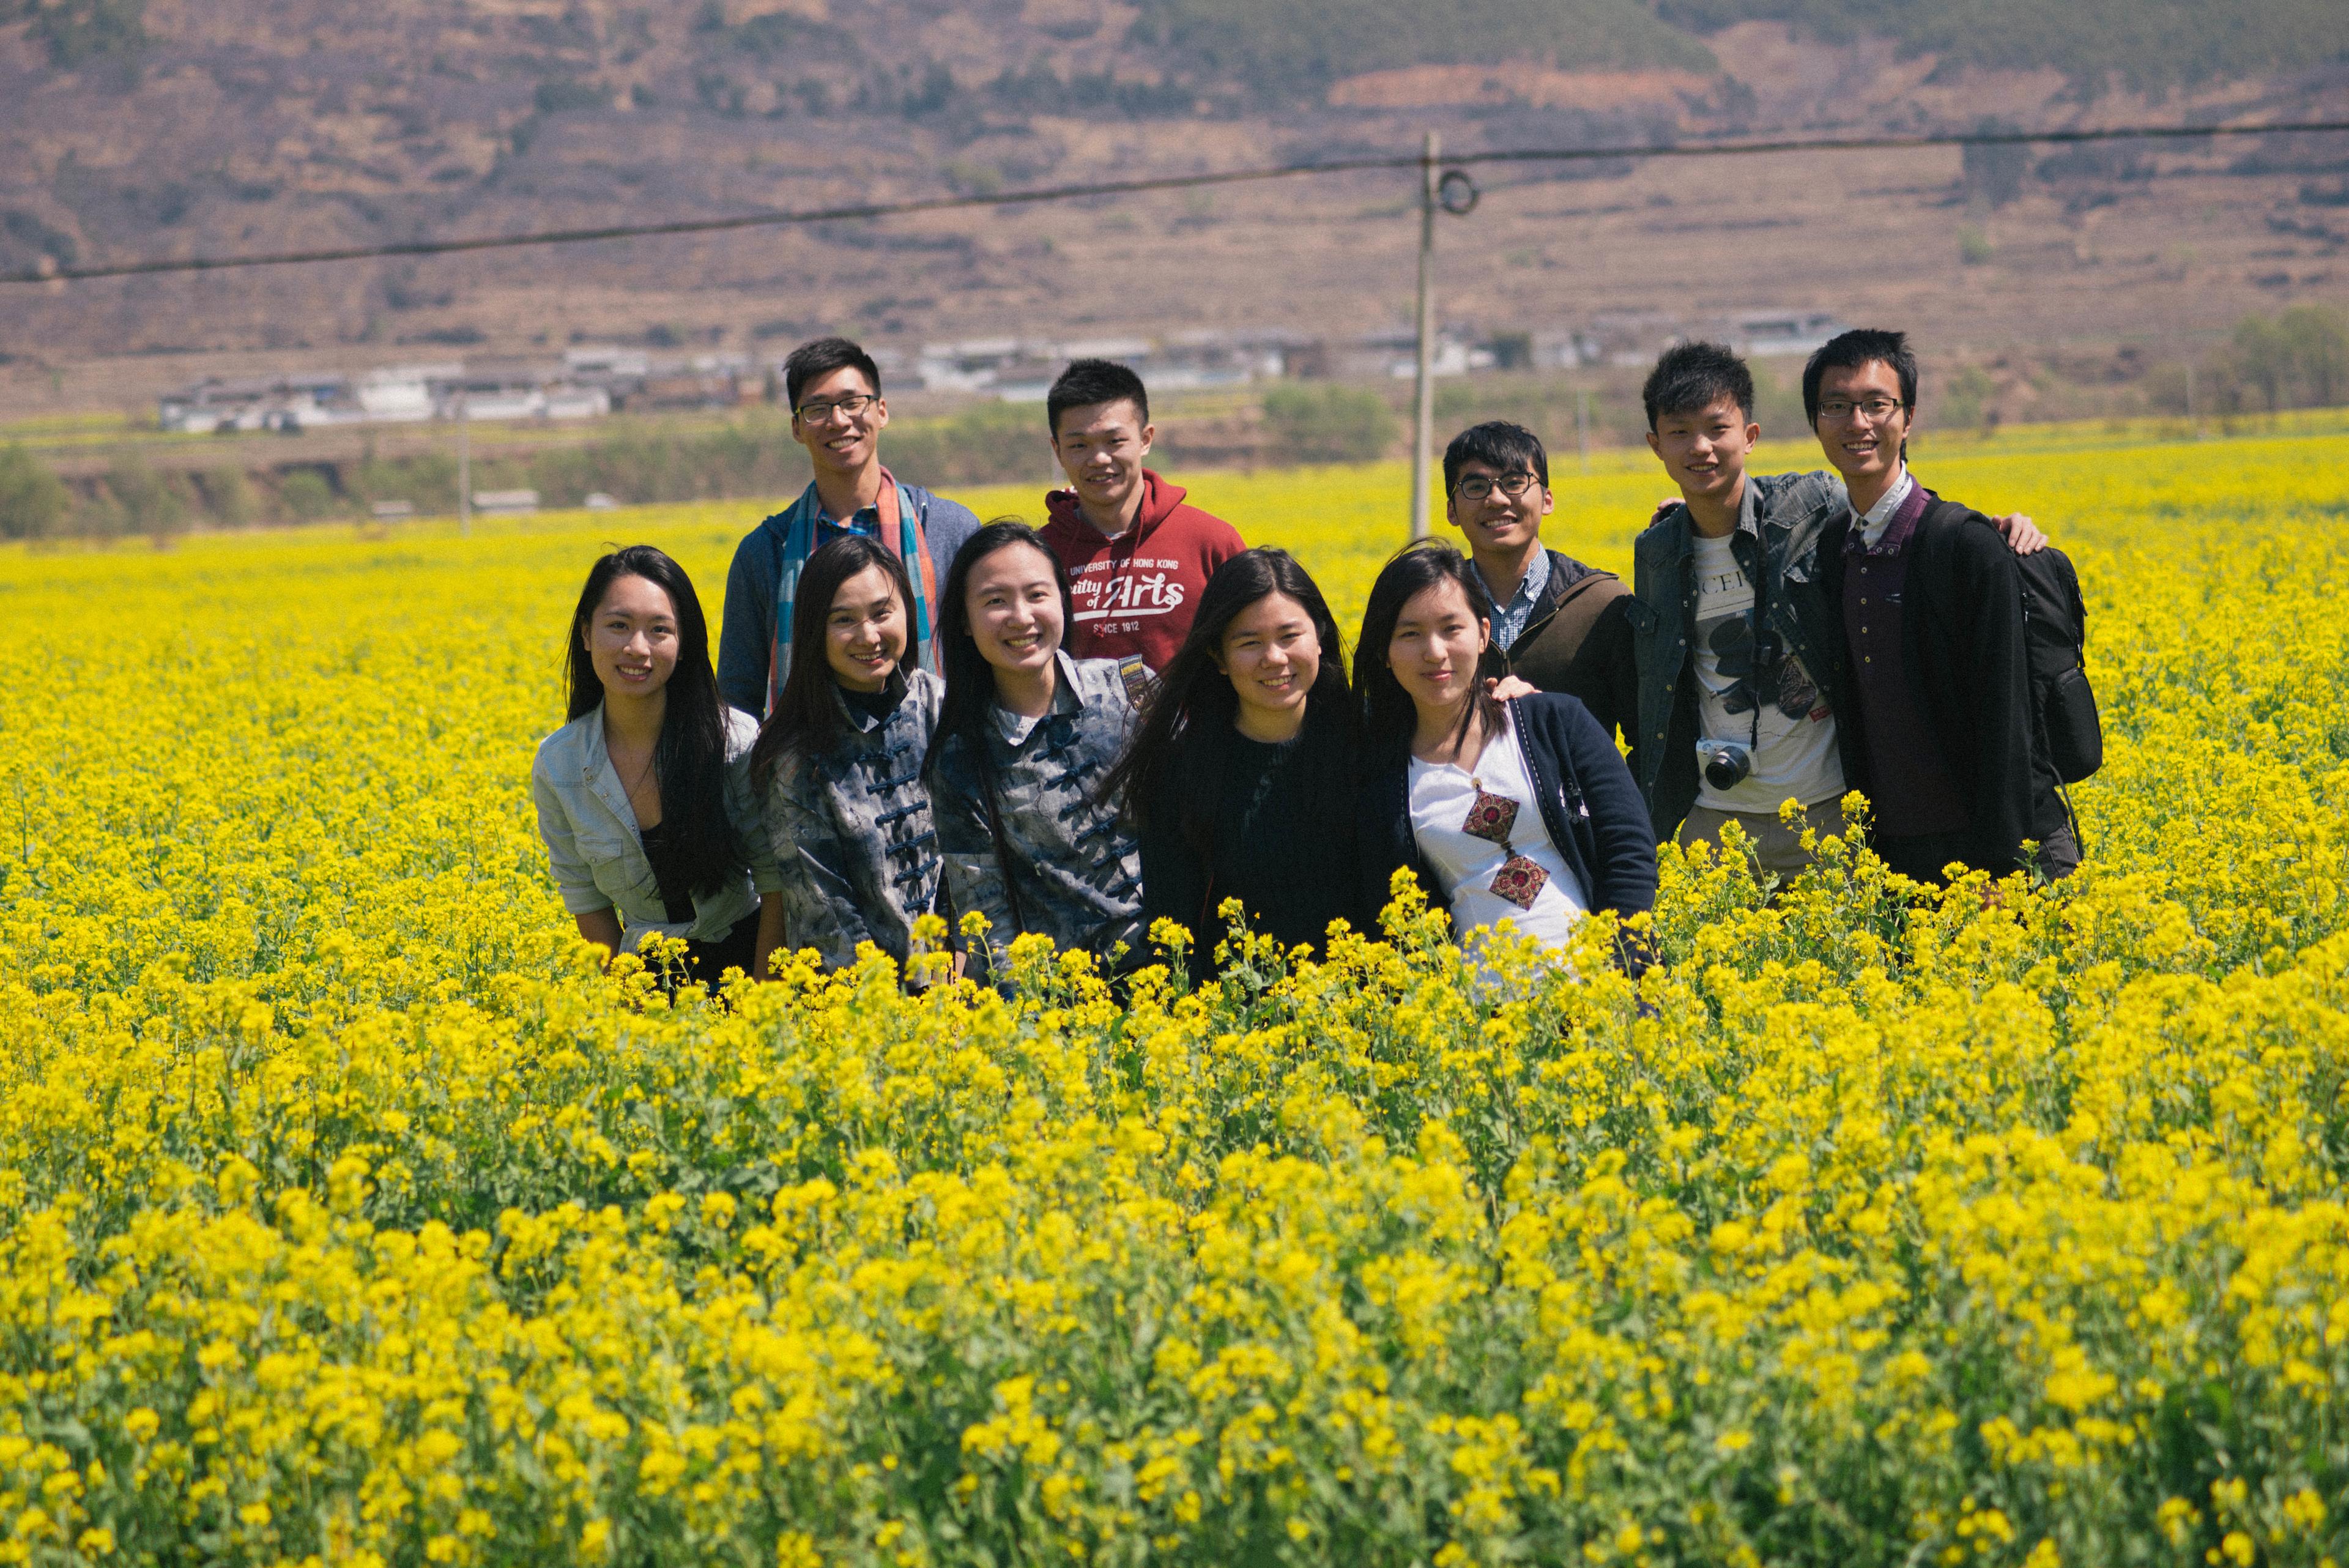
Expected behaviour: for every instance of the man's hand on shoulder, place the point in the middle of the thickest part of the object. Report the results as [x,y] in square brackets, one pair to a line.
[2022,537]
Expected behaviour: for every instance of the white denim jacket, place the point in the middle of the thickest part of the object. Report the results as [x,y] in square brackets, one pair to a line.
[598,856]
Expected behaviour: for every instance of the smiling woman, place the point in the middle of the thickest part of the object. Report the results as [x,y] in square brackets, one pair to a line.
[1520,812]
[1023,737]
[1238,777]
[642,796]
[838,762]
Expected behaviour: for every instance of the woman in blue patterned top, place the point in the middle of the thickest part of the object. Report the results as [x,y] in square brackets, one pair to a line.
[838,765]
[1024,737]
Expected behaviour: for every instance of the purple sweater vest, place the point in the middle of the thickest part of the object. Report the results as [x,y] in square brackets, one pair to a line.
[1908,780]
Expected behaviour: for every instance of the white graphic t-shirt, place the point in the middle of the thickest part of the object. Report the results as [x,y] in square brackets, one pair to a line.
[1796,758]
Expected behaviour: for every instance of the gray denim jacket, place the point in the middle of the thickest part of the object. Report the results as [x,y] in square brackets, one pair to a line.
[598,858]
[852,832]
[1776,542]
[1075,867]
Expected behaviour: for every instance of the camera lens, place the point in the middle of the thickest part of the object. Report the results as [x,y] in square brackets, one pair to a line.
[1725,767]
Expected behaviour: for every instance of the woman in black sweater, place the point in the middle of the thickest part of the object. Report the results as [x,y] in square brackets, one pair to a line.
[1239,778]
[1517,810]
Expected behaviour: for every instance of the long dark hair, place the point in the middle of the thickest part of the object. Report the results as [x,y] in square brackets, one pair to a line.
[690,758]
[1191,715]
[1388,717]
[806,715]
[966,709]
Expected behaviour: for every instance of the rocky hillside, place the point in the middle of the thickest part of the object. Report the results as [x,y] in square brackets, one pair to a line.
[139,127]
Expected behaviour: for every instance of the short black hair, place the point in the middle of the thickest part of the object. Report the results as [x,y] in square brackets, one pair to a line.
[1850,350]
[813,360]
[1089,381]
[1503,447]
[1695,375]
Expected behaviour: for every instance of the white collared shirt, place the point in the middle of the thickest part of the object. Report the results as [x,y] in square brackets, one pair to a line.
[1878,517]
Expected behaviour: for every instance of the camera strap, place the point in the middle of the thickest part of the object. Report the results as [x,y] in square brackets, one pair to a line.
[1762,642]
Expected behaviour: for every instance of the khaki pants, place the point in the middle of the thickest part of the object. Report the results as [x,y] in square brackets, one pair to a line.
[1770,844]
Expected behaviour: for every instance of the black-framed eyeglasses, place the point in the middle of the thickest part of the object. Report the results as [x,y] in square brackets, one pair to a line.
[1842,409]
[850,406]
[1478,486]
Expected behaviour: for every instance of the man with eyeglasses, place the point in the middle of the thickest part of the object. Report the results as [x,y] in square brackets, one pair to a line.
[1937,725]
[837,413]
[1562,625]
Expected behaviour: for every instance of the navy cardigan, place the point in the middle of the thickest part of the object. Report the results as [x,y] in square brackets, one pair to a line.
[1588,803]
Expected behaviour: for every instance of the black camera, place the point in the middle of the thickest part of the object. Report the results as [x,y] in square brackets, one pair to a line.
[1726,763]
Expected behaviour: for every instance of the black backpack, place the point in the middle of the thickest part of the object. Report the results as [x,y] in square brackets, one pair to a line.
[2054,644]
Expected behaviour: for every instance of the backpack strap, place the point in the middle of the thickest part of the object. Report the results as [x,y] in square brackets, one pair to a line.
[1579,612]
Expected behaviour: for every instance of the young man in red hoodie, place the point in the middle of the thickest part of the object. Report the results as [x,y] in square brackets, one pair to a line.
[1137,557]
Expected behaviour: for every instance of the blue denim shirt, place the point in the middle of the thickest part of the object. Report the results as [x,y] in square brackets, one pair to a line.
[598,856]
[746,636]
[1509,619]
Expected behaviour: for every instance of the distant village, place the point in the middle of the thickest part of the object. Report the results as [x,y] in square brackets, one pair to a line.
[591,381]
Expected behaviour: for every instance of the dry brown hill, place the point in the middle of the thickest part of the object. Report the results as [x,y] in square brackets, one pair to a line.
[172,127]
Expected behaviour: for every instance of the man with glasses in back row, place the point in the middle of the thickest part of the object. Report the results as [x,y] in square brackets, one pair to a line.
[837,413]
[1562,625]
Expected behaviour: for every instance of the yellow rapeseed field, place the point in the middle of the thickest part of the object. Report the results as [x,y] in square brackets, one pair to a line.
[349,1215]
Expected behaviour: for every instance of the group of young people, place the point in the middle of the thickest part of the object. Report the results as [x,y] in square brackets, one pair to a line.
[1128,714]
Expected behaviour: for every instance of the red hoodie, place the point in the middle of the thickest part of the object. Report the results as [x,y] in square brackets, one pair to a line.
[1135,594]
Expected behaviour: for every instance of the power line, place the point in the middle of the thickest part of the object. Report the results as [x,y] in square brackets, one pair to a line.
[777,218]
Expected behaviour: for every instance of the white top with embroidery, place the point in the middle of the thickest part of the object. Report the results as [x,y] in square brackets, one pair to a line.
[1442,796]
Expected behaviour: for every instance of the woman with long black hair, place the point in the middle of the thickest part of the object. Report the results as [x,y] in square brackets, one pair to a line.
[1025,734]
[644,796]
[1241,773]
[839,761]
[1517,809]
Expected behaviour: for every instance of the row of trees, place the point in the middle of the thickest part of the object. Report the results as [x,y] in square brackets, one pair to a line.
[2300,360]
[753,455]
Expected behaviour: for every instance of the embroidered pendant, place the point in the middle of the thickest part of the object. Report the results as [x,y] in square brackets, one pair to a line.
[1520,881]
[1491,817]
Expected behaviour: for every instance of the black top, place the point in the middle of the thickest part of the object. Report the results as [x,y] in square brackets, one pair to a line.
[1579,640]
[1283,841]
[1962,635]
[661,848]
[876,706]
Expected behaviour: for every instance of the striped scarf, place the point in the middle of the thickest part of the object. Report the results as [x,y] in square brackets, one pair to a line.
[900,534]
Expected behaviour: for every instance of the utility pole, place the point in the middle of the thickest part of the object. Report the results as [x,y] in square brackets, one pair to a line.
[1422,428]
[1582,427]
[464,469]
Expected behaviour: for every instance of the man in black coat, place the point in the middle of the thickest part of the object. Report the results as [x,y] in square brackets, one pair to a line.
[1937,727]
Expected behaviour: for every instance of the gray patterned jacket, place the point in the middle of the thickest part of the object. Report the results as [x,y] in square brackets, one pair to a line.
[1072,864]
[852,832]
